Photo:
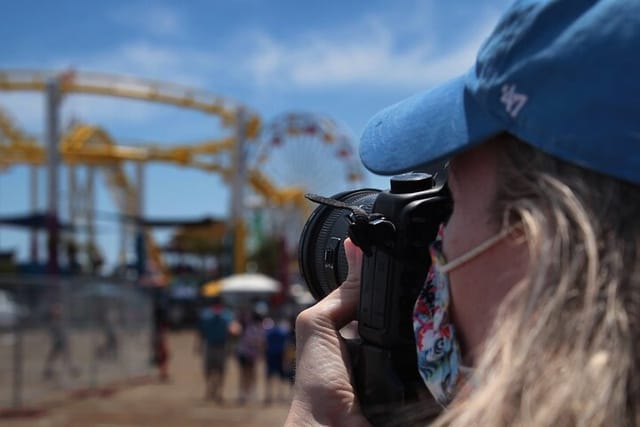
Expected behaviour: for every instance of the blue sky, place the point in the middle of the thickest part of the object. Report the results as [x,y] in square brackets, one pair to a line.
[342,59]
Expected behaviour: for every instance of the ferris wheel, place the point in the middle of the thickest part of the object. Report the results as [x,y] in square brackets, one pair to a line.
[308,151]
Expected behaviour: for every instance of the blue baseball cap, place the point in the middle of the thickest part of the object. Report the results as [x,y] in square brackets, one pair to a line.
[563,76]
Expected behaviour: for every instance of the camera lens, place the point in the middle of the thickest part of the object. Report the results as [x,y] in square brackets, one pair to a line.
[323,262]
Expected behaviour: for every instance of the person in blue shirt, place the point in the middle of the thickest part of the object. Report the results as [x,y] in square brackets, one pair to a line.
[215,324]
[277,337]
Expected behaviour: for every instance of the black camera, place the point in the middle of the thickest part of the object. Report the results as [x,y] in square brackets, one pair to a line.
[394,228]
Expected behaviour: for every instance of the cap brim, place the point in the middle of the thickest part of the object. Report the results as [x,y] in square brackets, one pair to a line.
[424,129]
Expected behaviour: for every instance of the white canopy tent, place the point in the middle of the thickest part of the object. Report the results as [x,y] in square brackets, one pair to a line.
[255,283]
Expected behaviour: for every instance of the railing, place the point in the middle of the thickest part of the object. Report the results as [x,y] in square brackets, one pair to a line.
[67,335]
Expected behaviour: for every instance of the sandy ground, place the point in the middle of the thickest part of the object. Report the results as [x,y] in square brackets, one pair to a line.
[178,402]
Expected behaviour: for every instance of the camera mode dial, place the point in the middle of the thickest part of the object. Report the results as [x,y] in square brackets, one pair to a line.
[412,182]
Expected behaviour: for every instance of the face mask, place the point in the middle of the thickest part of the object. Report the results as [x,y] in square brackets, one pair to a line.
[438,350]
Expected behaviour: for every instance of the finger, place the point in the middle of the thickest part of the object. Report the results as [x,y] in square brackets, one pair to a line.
[354,260]
[340,306]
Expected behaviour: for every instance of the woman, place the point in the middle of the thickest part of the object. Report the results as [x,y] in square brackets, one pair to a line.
[538,267]
[250,346]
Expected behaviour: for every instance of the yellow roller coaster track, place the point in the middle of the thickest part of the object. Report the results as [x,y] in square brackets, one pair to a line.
[77,147]
[86,144]
[92,145]
[22,149]
[130,87]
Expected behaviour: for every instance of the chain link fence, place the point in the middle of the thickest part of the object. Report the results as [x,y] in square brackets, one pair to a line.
[64,335]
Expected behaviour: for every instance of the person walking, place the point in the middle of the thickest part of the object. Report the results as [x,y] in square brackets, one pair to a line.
[60,348]
[108,348]
[250,346]
[276,339]
[215,325]
[159,337]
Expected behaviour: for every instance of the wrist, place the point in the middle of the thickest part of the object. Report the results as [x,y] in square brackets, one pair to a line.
[303,414]
[299,415]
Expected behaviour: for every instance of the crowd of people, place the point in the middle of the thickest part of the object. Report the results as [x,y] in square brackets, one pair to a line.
[248,337]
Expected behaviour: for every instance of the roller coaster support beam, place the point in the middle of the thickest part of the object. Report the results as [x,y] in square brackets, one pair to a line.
[33,199]
[53,98]
[91,208]
[237,192]
[141,256]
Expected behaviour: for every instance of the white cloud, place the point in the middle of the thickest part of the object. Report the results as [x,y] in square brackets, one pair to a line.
[163,21]
[149,60]
[370,56]
[370,52]
[157,20]
[138,60]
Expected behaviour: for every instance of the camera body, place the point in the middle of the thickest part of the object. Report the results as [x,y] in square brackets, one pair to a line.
[395,235]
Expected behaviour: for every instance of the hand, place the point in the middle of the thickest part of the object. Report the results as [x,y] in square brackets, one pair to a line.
[323,391]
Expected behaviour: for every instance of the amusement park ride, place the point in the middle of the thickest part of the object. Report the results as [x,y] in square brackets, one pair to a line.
[252,153]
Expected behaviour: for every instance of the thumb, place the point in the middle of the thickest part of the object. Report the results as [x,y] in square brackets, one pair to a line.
[354,261]
[341,305]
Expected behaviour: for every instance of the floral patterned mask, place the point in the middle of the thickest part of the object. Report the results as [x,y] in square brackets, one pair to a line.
[438,350]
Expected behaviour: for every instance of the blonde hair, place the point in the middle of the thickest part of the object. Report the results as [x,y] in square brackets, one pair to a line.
[564,349]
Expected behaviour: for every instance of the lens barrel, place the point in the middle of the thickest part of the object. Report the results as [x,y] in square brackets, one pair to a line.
[322,259]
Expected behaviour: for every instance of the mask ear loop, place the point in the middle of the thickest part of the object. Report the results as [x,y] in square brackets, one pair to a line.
[474,252]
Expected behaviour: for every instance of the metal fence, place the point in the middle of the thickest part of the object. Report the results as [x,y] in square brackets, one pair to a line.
[62,335]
